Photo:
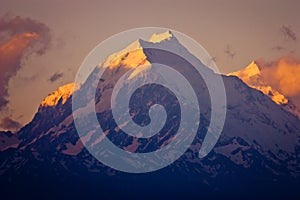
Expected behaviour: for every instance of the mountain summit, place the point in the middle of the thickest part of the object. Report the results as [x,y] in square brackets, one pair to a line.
[255,78]
[252,76]
[134,54]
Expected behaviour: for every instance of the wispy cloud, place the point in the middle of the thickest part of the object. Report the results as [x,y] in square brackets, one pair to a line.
[288,32]
[10,124]
[278,48]
[19,37]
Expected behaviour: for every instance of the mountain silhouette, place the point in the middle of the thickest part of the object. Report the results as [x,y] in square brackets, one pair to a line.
[257,155]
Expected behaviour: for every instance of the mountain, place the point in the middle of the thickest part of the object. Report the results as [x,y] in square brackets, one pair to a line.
[257,155]
[253,77]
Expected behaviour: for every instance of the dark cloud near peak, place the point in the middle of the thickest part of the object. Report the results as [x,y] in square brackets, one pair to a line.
[10,26]
[10,124]
[56,76]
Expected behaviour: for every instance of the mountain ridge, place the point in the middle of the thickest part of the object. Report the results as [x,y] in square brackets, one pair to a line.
[258,148]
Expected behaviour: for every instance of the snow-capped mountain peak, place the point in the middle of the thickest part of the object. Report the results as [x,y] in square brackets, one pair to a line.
[61,94]
[251,70]
[142,52]
[157,38]
[133,55]
[251,75]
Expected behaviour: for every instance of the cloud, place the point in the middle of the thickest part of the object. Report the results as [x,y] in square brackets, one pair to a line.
[56,76]
[283,75]
[10,124]
[19,38]
[288,32]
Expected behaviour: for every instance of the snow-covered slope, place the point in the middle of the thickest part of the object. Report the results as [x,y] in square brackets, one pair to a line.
[253,77]
[61,94]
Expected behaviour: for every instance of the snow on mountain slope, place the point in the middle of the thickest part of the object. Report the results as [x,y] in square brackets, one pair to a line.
[257,119]
[134,54]
[61,94]
[251,75]
[137,47]
[254,78]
